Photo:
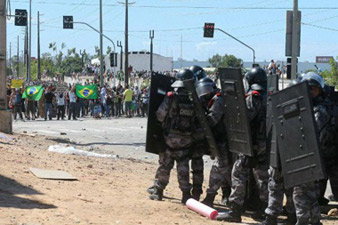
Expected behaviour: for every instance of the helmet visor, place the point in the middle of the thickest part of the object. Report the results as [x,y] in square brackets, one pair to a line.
[204,90]
[177,84]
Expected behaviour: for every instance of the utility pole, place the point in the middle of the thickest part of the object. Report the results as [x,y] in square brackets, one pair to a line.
[26,52]
[151,36]
[126,55]
[39,63]
[30,42]
[101,47]
[295,40]
[10,57]
[18,58]
[181,51]
[5,115]
[119,44]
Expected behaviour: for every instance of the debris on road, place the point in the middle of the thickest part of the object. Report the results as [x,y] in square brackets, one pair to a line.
[52,174]
[69,150]
[5,137]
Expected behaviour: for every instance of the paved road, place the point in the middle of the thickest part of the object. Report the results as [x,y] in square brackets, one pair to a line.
[122,136]
[125,137]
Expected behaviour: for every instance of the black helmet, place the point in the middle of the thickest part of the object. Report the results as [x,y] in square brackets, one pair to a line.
[198,71]
[182,75]
[256,79]
[206,88]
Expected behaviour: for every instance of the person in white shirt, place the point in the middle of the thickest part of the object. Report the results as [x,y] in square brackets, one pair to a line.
[272,67]
[103,95]
[61,106]
[72,104]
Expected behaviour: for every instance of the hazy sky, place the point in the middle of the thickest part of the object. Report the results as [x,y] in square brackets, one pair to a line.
[176,20]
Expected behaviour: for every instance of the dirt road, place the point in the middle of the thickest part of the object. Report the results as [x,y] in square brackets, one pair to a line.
[108,191]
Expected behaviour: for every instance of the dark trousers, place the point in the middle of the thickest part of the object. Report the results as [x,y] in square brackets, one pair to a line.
[17,110]
[72,110]
[118,109]
[48,108]
[112,109]
[144,109]
[61,112]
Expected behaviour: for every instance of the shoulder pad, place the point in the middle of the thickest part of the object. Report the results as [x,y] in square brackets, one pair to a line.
[170,94]
[255,93]
[218,94]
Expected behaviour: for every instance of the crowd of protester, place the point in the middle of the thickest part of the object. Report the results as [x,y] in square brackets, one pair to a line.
[65,104]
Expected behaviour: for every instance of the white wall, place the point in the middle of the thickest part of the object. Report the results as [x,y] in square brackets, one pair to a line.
[141,62]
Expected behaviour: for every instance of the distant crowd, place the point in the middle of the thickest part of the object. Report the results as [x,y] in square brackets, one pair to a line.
[112,102]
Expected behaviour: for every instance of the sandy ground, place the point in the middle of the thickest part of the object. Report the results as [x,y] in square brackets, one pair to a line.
[108,191]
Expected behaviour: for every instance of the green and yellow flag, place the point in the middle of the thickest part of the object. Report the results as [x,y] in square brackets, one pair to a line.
[33,92]
[87,91]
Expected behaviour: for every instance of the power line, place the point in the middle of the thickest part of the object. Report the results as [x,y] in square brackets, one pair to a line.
[68,12]
[179,7]
[324,19]
[321,27]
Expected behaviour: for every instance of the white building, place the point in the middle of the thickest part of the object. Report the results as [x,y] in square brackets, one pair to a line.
[141,61]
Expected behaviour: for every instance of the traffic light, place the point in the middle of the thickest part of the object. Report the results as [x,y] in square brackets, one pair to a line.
[67,22]
[20,17]
[113,59]
[209,30]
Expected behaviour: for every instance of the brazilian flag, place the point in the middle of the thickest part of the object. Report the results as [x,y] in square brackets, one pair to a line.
[33,92]
[87,91]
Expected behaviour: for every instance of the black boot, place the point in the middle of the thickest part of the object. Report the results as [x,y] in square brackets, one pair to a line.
[259,214]
[151,189]
[233,216]
[185,196]
[292,219]
[209,200]
[196,193]
[225,195]
[323,201]
[270,220]
[157,194]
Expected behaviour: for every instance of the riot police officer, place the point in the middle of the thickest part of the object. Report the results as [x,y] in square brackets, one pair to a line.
[276,182]
[256,104]
[197,150]
[199,146]
[305,195]
[177,115]
[213,103]
[329,137]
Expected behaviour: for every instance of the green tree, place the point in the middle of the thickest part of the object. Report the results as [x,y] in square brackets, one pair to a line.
[225,61]
[71,51]
[215,61]
[71,64]
[331,76]
[108,50]
[97,52]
